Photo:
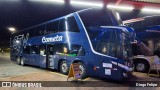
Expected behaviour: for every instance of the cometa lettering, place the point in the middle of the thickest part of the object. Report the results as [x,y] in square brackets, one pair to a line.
[52,39]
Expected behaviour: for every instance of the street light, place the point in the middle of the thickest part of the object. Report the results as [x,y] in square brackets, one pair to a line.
[86,3]
[12,29]
[149,10]
[120,7]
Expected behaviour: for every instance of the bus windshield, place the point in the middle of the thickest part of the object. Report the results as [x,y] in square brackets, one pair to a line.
[95,17]
[126,45]
[110,42]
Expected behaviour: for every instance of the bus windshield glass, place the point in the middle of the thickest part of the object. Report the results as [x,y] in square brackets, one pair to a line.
[107,41]
[126,45]
[95,17]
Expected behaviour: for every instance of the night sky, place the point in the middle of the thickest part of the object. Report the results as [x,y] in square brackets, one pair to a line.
[22,14]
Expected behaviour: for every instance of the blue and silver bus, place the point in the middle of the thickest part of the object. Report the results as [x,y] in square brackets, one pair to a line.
[91,37]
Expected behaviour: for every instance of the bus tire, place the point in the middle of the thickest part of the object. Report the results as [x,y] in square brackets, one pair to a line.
[64,68]
[22,61]
[18,60]
[83,70]
[141,66]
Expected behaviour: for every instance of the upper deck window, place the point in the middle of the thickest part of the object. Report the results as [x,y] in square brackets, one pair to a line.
[60,25]
[72,24]
[95,17]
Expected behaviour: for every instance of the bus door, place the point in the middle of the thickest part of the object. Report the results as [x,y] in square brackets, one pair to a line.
[43,56]
[34,55]
[50,57]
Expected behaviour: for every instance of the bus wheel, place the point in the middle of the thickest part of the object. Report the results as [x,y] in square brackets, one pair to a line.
[18,60]
[82,70]
[141,66]
[22,61]
[64,67]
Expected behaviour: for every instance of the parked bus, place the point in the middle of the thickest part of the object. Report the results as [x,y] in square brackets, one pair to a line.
[147,48]
[90,37]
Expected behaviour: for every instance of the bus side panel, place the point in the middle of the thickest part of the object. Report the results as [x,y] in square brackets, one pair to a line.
[35,59]
[109,70]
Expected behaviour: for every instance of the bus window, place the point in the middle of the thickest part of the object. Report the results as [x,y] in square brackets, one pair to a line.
[26,50]
[34,50]
[102,44]
[31,32]
[126,45]
[42,49]
[50,49]
[61,26]
[72,24]
[77,50]
[104,40]
[61,49]
[113,44]
[40,30]
[100,17]
[52,27]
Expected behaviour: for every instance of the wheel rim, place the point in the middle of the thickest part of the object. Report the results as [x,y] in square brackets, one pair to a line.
[64,67]
[22,61]
[140,67]
[82,69]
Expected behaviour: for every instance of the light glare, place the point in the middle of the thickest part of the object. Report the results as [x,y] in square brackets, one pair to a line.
[17,41]
[150,10]
[120,7]
[133,20]
[9,0]
[45,1]
[86,3]
[12,29]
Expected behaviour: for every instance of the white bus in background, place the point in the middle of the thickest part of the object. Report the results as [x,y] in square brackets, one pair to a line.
[147,47]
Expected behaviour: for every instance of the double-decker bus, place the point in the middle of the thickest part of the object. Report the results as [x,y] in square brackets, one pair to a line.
[91,37]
